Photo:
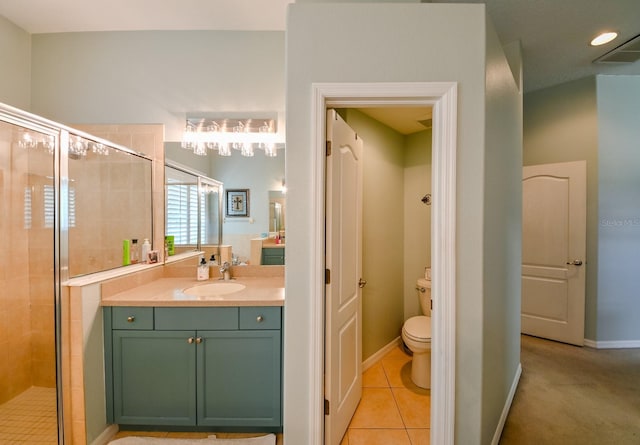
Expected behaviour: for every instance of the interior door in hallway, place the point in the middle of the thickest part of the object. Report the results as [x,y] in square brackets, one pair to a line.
[553,251]
[343,297]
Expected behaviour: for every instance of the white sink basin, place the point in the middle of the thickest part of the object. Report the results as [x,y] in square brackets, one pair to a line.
[214,289]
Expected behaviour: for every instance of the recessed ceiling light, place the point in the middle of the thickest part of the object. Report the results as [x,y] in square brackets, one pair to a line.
[603,38]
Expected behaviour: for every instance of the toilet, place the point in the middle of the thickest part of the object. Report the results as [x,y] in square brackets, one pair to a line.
[416,334]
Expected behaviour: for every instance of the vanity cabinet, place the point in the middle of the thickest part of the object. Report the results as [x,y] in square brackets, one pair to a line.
[273,256]
[194,367]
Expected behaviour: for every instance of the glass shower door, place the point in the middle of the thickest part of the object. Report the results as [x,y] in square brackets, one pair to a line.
[28,377]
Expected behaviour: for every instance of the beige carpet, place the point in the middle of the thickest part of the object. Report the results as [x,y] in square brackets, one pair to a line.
[269,439]
[575,396]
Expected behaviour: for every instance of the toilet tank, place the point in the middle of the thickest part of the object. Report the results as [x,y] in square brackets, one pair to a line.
[424,297]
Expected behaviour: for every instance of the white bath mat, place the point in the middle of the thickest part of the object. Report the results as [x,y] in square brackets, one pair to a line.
[269,439]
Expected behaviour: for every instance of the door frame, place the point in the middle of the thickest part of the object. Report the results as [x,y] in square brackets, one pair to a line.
[443,97]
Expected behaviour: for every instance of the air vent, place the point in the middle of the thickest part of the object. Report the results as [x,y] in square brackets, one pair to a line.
[628,52]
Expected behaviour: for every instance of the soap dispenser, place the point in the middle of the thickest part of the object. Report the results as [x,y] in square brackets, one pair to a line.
[203,270]
[212,263]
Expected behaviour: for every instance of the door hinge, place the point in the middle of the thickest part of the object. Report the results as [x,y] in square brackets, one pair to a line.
[327,276]
[326,407]
[328,148]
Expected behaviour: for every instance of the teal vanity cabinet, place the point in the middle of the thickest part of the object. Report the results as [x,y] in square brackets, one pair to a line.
[195,367]
[273,256]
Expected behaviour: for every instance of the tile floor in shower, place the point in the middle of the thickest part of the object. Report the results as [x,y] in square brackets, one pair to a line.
[30,418]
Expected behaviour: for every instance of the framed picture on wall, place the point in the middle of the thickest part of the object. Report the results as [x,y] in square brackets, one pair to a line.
[237,202]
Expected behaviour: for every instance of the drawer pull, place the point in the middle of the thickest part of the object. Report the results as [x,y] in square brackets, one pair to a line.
[198,340]
[131,319]
[190,340]
[259,318]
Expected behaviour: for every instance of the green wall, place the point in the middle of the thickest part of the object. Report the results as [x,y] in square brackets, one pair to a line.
[561,125]
[396,226]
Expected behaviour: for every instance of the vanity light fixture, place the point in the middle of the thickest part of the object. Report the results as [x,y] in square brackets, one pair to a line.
[225,135]
[78,146]
[603,38]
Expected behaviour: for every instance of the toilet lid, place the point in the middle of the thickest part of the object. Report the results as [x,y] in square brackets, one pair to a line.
[418,328]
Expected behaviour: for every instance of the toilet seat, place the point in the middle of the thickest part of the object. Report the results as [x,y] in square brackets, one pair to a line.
[418,329]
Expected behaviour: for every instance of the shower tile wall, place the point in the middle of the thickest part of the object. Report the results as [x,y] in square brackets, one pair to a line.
[143,138]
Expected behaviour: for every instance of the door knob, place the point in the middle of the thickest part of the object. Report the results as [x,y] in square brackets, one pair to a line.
[575,262]
[362,283]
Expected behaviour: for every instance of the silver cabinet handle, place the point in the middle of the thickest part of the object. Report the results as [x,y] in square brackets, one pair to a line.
[575,262]
[259,318]
[131,319]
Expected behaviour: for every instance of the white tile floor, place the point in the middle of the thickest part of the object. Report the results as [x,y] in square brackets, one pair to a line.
[30,418]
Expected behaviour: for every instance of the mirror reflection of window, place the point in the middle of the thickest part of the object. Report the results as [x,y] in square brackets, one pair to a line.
[277,205]
[182,209]
[192,209]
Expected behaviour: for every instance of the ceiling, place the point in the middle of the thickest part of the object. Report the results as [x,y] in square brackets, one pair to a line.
[554,34]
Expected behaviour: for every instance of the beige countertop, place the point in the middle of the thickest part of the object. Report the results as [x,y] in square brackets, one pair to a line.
[258,291]
[272,245]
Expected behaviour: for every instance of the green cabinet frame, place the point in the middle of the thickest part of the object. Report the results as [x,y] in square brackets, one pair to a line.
[227,377]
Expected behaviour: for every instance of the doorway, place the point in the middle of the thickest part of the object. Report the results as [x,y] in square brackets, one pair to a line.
[442,97]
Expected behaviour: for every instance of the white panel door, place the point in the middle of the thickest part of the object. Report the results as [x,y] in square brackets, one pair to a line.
[554,251]
[343,342]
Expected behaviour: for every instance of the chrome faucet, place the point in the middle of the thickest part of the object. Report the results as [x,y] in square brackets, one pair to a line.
[225,271]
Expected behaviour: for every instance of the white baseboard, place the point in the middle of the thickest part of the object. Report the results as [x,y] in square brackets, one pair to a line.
[615,344]
[107,435]
[507,406]
[368,363]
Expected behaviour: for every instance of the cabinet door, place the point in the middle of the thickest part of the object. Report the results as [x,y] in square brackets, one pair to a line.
[154,377]
[239,378]
[273,256]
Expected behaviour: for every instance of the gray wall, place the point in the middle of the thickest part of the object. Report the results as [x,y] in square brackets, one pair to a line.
[155,76]
[386,43]
[15,60]
[561,125]
[502,232]
[619,208]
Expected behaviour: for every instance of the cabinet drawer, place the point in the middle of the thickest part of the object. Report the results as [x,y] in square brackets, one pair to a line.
[264,317]
[194,318]
[132,317]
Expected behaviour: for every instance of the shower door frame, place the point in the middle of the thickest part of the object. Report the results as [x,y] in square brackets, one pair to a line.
[32,122]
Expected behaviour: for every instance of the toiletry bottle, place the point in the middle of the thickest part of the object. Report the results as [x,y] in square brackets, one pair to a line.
[212,264]
[146,248]
[135,251]
[203,270]
[126,253]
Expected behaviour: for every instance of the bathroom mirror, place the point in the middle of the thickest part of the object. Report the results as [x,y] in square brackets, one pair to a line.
[258,174]
[277,205]
[109,199]
[193,208]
